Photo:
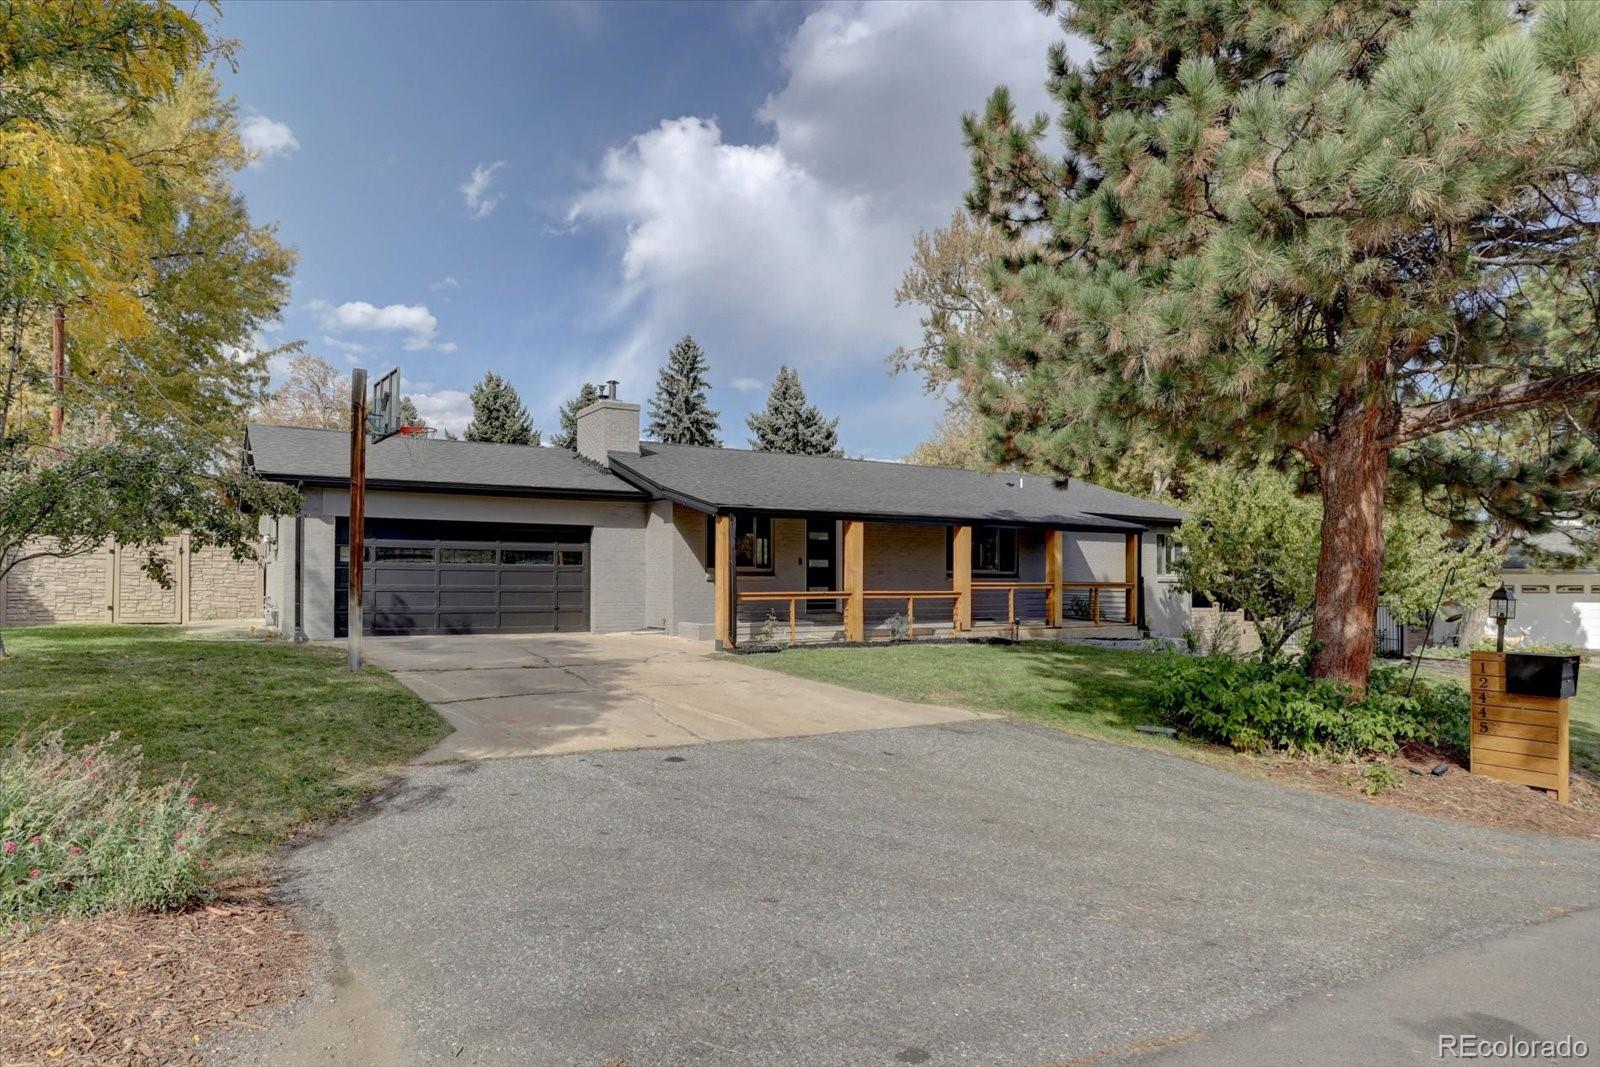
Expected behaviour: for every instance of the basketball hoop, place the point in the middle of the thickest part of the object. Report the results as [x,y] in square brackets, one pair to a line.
[416,430]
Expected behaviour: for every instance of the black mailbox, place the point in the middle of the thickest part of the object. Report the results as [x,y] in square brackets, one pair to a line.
[1541,676]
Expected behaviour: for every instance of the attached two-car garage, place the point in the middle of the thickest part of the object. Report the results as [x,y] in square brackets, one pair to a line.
[437,577]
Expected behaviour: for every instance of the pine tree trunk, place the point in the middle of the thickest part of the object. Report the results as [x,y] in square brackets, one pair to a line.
[1354,470]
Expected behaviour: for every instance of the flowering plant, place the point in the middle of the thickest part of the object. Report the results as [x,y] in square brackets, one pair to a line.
[79,833]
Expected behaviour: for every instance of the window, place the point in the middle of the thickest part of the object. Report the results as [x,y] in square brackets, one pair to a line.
[752,543]
[571,557]
[1569,588]
[1167,552]
[528,557]
[1534,589]
[466,555]
[400,554]
[994,550]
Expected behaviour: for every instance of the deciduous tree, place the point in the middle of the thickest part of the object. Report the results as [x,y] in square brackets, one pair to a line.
[314,393]
[1253,540]
[116,210]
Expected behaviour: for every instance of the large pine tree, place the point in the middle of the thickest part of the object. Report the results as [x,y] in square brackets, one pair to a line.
[679,412]
[567,437]
[789,424]
[498,414]
[1322,230]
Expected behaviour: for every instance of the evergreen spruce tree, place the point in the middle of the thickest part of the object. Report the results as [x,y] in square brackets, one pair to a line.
[679,412]
[789,424]
[567,438]
[498,414]
[1324,232]
[409,416]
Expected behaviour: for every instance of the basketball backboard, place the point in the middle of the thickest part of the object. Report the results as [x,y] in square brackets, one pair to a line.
[383,417]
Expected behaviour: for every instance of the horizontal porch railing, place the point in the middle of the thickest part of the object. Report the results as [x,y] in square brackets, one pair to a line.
[789,596]
[1096,603]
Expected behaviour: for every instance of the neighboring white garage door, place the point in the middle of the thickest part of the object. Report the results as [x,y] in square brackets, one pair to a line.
[1554,610]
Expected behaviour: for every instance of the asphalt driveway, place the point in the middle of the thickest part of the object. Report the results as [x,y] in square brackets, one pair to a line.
[970,893]
[544,694]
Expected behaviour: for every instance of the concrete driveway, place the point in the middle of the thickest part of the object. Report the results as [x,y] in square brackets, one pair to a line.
[544,694]
[970,893]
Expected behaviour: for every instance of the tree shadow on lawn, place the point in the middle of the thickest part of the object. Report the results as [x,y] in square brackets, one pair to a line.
[1104,690]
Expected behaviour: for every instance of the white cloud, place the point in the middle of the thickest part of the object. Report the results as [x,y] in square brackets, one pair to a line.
[265,138]
[475,190]
[415,321]
[348,347]
[746,385]
[789,250]
[444,409]
[447,282]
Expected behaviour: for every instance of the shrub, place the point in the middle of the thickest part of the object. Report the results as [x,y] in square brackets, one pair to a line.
[899,626]
[1257,707]
[768,634]
[1378,777]
[79,834]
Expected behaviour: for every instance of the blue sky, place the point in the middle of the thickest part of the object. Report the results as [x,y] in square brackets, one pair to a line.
[557,192]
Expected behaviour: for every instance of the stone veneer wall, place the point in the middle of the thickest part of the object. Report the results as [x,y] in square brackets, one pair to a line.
[221,587]
[45,589]
[79,589]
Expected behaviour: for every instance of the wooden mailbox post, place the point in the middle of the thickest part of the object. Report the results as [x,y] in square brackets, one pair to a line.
[1518,737]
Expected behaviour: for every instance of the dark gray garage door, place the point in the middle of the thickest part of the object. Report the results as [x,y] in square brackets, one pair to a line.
[524,583]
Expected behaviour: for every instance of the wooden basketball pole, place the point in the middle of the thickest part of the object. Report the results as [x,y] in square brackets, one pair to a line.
[358,511]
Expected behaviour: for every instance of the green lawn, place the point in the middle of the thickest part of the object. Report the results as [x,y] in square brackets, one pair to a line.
[284,735]
[1098,691]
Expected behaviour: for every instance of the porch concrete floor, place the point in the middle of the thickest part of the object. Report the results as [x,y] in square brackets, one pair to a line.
[544,694]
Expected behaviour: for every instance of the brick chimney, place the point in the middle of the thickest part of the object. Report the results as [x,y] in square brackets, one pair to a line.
[608,425]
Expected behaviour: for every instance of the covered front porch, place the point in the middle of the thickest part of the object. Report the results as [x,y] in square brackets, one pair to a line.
[816,579]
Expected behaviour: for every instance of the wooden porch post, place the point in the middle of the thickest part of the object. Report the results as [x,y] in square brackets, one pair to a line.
[855,580]
[1130,574]
[961,575]
[722,566]
[1052,574]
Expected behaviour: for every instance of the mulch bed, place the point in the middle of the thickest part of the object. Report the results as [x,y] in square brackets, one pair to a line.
[144,989]
[1455,794]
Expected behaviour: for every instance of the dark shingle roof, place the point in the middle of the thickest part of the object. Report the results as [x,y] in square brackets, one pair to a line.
[293,453]
[727,478]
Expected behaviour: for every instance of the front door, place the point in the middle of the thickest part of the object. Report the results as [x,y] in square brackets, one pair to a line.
[822,566]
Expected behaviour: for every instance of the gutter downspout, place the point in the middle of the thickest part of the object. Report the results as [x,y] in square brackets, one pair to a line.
[299,570]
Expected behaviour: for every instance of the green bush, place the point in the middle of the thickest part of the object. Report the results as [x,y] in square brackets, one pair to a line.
[1258,707]
[79,834]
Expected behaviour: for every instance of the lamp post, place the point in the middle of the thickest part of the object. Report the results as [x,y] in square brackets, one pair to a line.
[1502,606]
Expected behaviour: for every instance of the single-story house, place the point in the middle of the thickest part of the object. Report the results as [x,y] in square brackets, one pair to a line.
[716,544]
[1558,591]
